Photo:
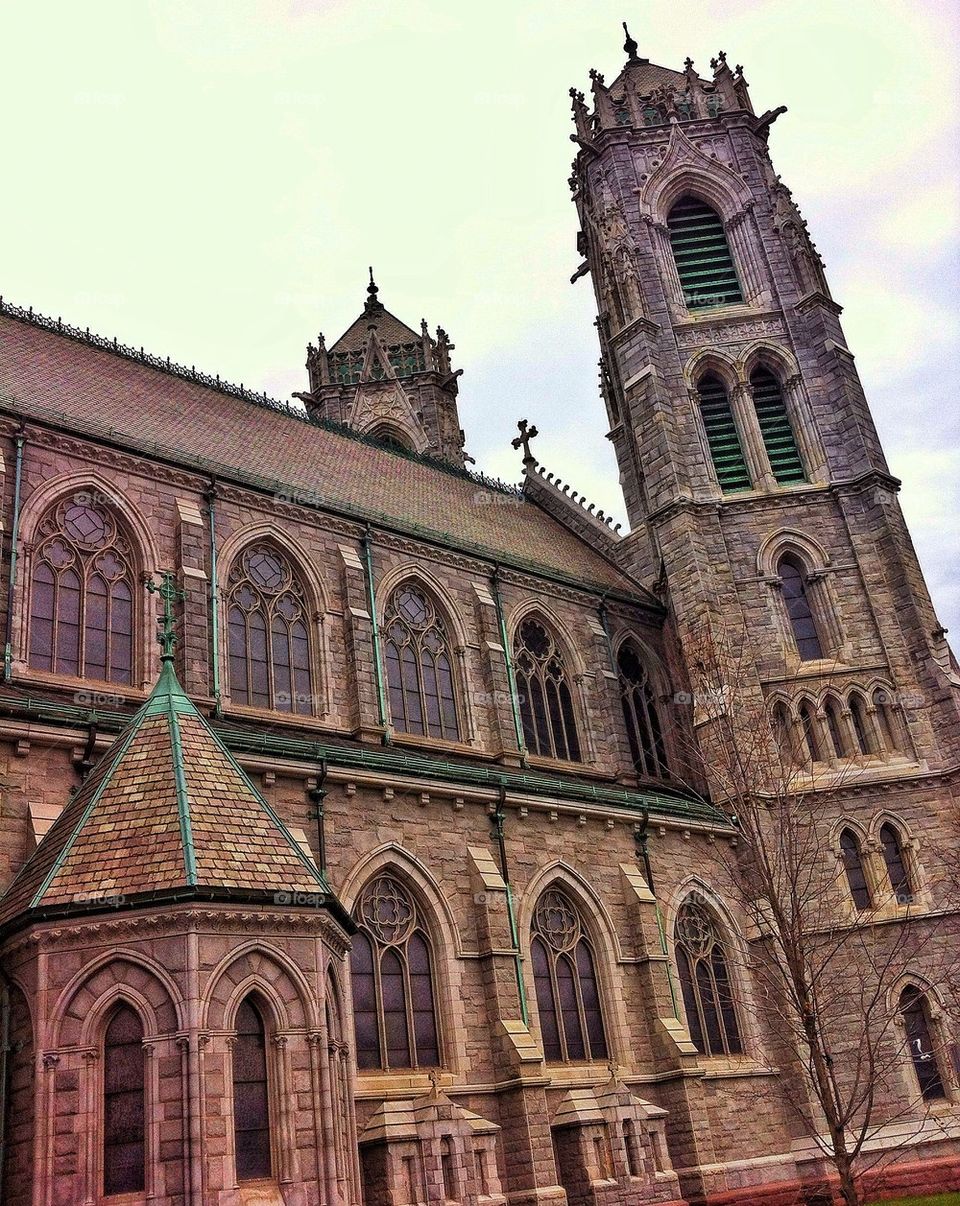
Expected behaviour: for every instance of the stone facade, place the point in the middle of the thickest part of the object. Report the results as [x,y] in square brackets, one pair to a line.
[478,829]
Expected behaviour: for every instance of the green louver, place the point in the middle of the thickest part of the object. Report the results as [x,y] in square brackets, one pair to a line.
[722,437]
[700,249]
[775,428]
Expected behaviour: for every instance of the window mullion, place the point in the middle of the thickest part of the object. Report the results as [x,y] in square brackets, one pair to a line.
[408,1009]
[558,1005]
[378,1004]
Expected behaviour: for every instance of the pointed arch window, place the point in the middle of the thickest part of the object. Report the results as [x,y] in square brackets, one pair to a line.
[915,1011]
[124,1104]
[81,594]
[866,742]
[251,1107]
[883,710]
[705,983]
[268,633]
[392,975]
[565,980]
[546,705]
[811,732]
[775,428]
[896,864]
[390,438]
[783,731]
[419,659]
[644,731]
[835,726]
[702,255]
[799,612]
[723,439]
[852,857]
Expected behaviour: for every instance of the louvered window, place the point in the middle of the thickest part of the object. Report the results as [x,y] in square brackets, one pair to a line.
[778,438]
[722,436]
[700,248]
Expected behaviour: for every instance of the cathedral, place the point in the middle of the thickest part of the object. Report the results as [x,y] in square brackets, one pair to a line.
[357,842]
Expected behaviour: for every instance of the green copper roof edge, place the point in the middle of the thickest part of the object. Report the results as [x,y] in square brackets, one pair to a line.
[416,765]
[183,794]
[61,858]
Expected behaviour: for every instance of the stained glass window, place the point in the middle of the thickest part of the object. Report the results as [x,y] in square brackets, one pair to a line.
[895,863]
[853,866]
[81,594]
[794,588]
[916,1019]
[124,1112]
[644,731]
[267,633]
[565,981]
[251,1114]
[705,983]
[392,977]
[419,667]
[546,705]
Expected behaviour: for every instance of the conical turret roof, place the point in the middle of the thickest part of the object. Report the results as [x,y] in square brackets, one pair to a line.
[166,813]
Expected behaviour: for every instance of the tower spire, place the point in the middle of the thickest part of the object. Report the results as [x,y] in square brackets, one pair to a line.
[629,45]
[373,302]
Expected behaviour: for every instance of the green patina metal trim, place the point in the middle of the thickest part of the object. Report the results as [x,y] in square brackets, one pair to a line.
[14,541]
[183,795]
[367,542]
[508,660]
[69,844]
[214,603]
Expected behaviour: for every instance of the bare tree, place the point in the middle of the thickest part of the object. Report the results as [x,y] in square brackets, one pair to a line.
[827,957]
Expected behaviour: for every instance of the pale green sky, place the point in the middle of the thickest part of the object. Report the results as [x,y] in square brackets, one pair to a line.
[210,180]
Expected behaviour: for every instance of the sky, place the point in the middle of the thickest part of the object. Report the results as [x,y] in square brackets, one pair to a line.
[210,179]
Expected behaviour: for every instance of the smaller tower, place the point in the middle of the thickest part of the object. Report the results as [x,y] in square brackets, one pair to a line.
[384,379]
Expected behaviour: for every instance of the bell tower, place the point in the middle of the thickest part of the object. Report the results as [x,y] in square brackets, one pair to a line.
[754,480]
[390,382]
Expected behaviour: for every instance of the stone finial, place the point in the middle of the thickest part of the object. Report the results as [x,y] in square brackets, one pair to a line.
[373,303]
[629,45]
[168,592]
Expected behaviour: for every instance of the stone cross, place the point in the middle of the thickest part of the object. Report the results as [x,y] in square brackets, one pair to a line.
[527,433]
[168,592]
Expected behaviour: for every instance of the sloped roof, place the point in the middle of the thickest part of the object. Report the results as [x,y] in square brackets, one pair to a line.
[167,808]
[643,77]
[390,330]
[92,390]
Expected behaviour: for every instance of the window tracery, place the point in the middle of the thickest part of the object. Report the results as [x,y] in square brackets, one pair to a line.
[268,633]
[81,594]
[705,982]
[546,704]
[640,713]
[419,657]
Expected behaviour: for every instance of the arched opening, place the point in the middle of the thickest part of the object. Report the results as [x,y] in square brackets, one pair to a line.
[723,439]
[391,967]
[836,728]
[896,864]
[811,732]
[640,714]
[915,1011]
[390,438]
[546,704]
[866,741]
[783,731]
[82,584]
[565,982]
[889,727]
[419,657]
[852,857]
[793,586]
[776,428]
[124,1103]
[268,633]
[705,982]
[251,1105]
[702,255]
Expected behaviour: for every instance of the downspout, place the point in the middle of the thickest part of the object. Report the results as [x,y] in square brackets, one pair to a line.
[14,541]
[508,659]
[641,834]
[214,602]
[602,613]
[367,542]
[317,796]
[498,819]
[5,986]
